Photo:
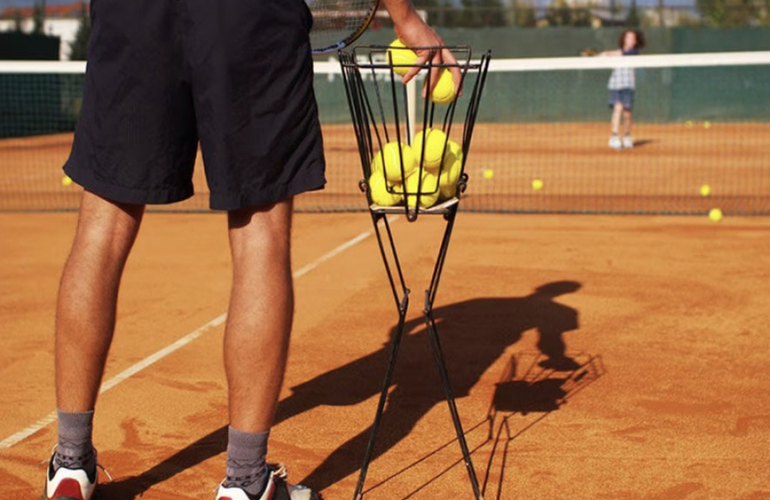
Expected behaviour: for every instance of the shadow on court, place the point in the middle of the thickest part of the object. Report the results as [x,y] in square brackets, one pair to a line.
[528,391]
[474,334]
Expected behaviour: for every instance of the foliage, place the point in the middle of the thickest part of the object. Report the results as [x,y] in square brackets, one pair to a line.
[730,13]
[79,46]
[38,18]
[562,14]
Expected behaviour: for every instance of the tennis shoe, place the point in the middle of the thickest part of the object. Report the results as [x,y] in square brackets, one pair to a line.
[69,484]
[628,142]
[277,489]
[615,142]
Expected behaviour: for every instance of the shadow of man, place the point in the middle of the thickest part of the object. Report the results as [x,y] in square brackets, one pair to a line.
[474,334]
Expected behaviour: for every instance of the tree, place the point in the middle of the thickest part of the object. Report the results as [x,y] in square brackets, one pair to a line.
[38,18]
[633,20]
[729,13]
[524,14]
[561,14]
[17,21]
[79,46]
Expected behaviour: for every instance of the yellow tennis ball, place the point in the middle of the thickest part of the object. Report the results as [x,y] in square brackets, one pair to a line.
[434,141]
[444,92]
[488,173]
[705,190]
[394,156]
[715,214]
[706,124]
[401,56]
[66,181]
[688,123]
[429,191]
[451,170]
[537,184]
[376,164]
[378,188]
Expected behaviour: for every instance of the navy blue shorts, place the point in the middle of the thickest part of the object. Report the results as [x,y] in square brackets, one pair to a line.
[623,96]
[164,75]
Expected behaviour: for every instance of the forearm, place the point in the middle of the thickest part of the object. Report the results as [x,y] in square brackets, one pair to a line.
[401,11]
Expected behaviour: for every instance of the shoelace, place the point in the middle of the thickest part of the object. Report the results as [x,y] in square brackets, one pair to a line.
[276,470]
[98,465]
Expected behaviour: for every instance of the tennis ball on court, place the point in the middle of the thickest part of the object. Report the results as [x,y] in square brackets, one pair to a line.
[715,214]
[429,189]
[393,156]
[378,188]
[537,184]
[706,125]
[444,92]
[66,181]
[488,173]
[401,55]
[688,123]
[705,190]
[434,141]
[451,170]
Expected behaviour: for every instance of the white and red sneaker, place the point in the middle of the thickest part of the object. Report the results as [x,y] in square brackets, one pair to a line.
[69,484]
[277,489]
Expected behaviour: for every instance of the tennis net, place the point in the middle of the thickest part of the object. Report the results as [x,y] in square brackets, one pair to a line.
[701,137]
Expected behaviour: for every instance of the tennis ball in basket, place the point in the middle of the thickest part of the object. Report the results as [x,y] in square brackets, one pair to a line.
[537,184]
[444,92]
[434,141]
[400,55]
[705,190]
[715,214]
[376,164]
[450,172]
[378,187]
[392,160]
[428,198]
[66,181]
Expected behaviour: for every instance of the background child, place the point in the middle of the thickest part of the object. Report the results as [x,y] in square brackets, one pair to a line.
[621,86]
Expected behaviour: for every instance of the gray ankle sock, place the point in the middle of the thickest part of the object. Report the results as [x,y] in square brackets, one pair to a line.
[246,467]
[75,449]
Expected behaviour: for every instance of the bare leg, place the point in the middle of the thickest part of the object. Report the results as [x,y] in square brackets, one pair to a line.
[88,294]
[260,313]
[617,111]
[627,121]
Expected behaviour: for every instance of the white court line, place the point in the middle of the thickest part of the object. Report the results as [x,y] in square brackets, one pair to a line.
[141,365]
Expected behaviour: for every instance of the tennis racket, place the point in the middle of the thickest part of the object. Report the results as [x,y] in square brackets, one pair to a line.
[338,23]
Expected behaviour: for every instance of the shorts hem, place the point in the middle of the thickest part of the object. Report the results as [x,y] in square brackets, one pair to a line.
[123,194]
[266,196]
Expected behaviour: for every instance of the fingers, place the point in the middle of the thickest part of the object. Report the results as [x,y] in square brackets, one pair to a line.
[439,59]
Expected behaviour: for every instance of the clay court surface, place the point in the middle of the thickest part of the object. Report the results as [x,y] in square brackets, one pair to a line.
[663,174]
[665,318]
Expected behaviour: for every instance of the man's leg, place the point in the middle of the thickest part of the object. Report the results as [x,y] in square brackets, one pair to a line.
[88,294]
[256,336]
[85,323]
[260,313]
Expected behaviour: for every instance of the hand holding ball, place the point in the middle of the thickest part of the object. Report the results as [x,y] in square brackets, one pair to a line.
[444,92]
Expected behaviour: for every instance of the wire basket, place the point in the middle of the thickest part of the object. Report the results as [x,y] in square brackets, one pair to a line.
[412,156]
